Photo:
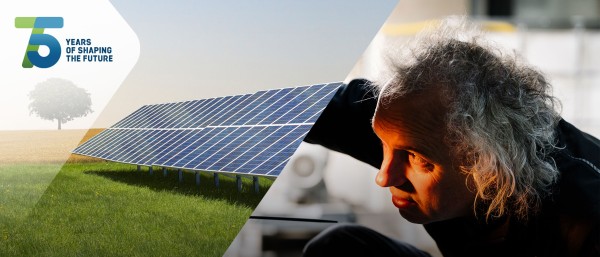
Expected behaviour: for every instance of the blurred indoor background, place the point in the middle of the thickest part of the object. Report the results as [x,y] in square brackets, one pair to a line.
[559,37]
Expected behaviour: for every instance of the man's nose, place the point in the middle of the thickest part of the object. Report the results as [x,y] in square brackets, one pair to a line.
[391,173]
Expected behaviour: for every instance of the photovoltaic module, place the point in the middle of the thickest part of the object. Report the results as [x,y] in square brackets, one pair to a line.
[252,134]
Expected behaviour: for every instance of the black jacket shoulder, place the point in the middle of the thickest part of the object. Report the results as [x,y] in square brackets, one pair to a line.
[345,124]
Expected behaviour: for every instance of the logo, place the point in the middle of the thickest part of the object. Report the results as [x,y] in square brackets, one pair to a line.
[38,38]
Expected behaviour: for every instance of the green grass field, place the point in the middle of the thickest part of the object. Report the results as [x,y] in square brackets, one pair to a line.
[110,209]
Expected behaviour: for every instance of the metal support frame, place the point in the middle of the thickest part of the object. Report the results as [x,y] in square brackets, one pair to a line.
[216,175]
[238,178]
[238,182]
[256,184]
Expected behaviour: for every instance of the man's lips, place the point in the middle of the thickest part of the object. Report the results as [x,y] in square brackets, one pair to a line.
[400,202]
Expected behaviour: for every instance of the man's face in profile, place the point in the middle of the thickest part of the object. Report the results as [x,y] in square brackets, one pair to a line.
[418,166]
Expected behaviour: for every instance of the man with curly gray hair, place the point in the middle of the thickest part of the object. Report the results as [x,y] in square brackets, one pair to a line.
[469,143]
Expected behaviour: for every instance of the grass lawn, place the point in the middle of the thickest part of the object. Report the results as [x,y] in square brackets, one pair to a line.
[110,209]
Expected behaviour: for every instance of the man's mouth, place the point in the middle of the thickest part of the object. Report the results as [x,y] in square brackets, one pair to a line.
[400,202]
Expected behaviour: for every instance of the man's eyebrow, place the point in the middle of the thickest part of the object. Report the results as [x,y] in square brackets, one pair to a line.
[418,150]
[425,151]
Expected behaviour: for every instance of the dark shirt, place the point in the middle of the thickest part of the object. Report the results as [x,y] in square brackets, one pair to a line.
[566,225]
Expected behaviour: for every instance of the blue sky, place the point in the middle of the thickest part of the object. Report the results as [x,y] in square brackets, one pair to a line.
[201,49]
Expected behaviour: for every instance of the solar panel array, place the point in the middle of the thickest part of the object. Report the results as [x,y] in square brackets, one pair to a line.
[252,134]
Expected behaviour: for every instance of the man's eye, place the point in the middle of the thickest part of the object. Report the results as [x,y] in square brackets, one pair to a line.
[418,161]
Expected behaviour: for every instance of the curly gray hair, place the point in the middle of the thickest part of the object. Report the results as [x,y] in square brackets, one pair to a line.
[501,116]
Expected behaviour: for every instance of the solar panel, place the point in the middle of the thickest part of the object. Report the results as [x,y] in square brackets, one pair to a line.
[252,134]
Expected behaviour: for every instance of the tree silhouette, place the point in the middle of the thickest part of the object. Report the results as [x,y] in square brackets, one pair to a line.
[59,99]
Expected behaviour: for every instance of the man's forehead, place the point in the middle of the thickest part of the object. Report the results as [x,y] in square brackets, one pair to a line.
[414,120]
[425,104]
